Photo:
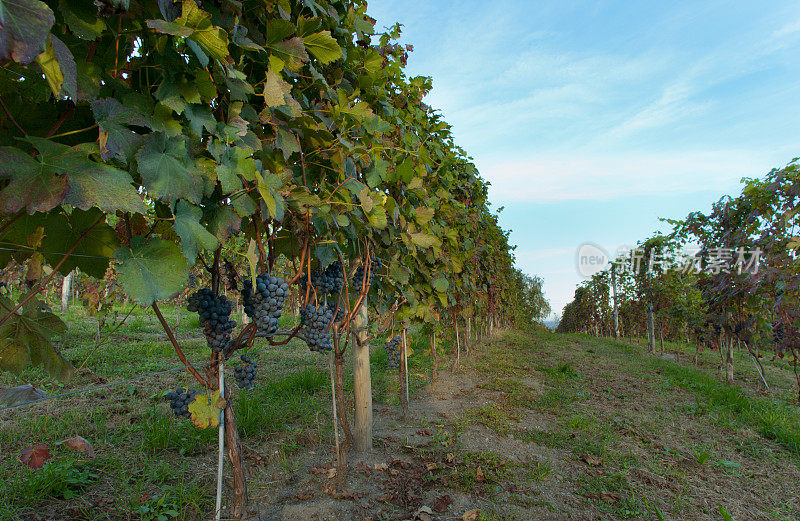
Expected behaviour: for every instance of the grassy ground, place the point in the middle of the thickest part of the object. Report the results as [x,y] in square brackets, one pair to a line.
[533,426]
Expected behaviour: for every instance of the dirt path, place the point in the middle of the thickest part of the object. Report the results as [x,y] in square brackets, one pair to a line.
[545,428]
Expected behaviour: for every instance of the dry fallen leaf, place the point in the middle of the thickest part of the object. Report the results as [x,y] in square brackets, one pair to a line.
[594,461]
[424,514]
[479,477]
[331,473]
[431,466]
[80,444]
[441,503]
[381,466]
[470,515]
[34,457]
[450,457]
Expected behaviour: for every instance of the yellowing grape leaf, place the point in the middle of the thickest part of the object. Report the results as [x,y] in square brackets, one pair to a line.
[204,410]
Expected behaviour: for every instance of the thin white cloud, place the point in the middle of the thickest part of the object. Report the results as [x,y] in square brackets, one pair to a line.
[581,176]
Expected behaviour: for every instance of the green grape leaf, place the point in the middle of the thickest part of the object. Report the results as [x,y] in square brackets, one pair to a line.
[116,138]
[167,171]
[235,161]
[24,25]
[273,91]
[224,222]
[287,143]
[82,19]
[424,240]
[292,52]
[213,40]
[323,46]
[205,410]
[441,284]
[92,253]
[423,215]
[194,237]
[151,269]
[200,118]
[26,339]
[20,238]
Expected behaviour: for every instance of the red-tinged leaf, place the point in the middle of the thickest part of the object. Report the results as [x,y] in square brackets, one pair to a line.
[36,456]
[80,444]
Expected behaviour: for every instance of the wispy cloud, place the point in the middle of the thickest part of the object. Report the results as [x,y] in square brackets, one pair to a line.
[582,176]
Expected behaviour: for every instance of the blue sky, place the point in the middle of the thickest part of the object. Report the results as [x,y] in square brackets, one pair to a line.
[593,119]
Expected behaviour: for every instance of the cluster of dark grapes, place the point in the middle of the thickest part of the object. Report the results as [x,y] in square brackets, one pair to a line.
[179,401]
[358,276]
[215,311]
[392,352]
[315,320]
[264,306]
[327,281]
[245,374]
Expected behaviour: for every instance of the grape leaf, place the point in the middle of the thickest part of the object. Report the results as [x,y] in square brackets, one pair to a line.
[82,19]
[26,339]
[35,457]
[116,138]
[323,46]
[213,40]
[167,170]
[441,284]
[24,25]
[78,443]
[194,237]
[205,410]
[63,174]
[20,238]
[49,64]
[92,253]
[20,394]
[32,186]
[151,269]
[424,240]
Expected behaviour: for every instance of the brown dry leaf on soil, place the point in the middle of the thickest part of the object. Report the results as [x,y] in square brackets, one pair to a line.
[479,477]
[34,457]
[605,496]
[441,503]
[594,461]
[78,443]
[381,466]
[424,514]
[470,515]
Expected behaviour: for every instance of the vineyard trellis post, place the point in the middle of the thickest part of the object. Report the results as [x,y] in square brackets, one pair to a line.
[362,383]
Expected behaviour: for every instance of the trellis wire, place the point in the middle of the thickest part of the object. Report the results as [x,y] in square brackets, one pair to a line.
[113,384]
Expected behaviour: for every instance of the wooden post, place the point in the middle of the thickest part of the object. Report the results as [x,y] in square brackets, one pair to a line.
[469,333]
[335,415]
[433,351]
[614,293]
[403,375]
[458,345]
[651,333]
[362,383]
[66,288]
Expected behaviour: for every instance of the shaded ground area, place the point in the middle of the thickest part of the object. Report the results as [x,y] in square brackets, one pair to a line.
[531,426]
